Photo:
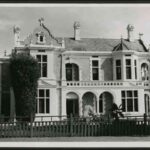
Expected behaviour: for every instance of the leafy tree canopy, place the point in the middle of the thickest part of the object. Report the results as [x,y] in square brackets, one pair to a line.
[25,74]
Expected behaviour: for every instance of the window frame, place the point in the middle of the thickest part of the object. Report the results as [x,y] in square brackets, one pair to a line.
[74,72]
[118,74]
[128,99]
[45,97]
[128,68]
[43,64]
[95,67]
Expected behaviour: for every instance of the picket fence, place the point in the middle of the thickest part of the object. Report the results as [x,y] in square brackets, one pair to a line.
[75,127]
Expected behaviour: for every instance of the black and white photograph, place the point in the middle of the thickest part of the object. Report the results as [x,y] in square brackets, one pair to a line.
[75,75]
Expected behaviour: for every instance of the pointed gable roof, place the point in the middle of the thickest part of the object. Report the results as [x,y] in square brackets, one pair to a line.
[121,46]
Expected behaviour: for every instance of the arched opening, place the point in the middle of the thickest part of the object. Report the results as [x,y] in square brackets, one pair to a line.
[72,104]
[144,71]
[147,103]
[105,103]
[88,104]
[72,72]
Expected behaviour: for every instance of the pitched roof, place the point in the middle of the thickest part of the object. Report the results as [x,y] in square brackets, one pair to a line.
[101,44]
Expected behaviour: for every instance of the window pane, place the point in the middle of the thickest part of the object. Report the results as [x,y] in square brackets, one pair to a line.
[129,105]
[75,73]
[135,104]
[123,93]
[41,38]
[44,70]
[135,73]
[95,73]
[135,94]
[118,72]
[69,74]
[118,62]
[68,66]
[128,72]
[47,93]
[38,58]
[134,62]
[129,93]
[41,105]
[41,93]
[128,62]
[44,58]
[47,105]
[95,63]
[123,105]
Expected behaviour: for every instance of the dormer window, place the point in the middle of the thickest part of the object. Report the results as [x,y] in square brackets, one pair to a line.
[40,38]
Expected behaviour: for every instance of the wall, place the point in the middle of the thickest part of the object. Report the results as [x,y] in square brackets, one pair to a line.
[85,66]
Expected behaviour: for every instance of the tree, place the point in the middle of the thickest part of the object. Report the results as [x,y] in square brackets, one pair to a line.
[24,76]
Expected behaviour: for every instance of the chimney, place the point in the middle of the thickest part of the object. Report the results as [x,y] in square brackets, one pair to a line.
[76,30]
[140,36]
[16,36]
[130,32]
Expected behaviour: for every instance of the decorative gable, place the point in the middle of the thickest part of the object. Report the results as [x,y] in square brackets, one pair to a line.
[42,36]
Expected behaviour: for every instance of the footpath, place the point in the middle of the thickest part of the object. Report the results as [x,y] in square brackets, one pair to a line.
[101,141]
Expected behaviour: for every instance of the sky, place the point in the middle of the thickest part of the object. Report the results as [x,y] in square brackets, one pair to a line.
[96,20]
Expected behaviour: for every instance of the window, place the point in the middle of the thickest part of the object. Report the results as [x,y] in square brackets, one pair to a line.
[128,68]
[42,61]
[129,101]
[144,71]
[43,101]
[72,72]
[118,69]
[135,69]
[41,38]
[95,70]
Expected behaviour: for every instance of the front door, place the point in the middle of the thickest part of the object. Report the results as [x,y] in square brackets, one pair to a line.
[72,107]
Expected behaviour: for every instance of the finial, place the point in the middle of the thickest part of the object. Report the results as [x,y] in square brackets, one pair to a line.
[41,20]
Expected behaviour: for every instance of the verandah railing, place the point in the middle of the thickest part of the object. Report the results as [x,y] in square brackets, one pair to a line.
[75,127]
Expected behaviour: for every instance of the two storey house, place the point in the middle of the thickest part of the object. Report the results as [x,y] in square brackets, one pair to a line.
[79,75]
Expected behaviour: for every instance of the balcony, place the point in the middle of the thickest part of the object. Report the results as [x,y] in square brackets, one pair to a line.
[105,84]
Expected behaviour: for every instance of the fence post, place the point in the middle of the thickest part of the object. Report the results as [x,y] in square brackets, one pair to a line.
[31,125]
[71,125]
